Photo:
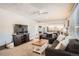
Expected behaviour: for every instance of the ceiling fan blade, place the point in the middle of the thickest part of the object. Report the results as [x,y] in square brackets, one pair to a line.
[44,13]
[39,13]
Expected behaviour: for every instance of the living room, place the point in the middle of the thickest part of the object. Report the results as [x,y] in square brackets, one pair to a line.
[39,29]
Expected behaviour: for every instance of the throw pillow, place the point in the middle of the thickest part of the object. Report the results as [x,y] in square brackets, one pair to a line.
[60,46]
[61,37]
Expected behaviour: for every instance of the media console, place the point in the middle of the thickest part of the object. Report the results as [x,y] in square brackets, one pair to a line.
[20,39]
[21,34]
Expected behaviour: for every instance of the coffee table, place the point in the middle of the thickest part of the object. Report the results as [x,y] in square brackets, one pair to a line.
[39,45]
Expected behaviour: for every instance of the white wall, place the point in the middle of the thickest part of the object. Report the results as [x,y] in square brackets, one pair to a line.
[52,23]
[7,21]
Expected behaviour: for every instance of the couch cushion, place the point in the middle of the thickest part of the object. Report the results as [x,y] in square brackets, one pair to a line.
[73,46]
[57,52]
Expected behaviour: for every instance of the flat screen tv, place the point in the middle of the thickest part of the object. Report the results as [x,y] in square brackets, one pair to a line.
[19,29]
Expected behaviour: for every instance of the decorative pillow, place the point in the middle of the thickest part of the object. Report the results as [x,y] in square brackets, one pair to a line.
[60,37]
[73,44]
[60,46]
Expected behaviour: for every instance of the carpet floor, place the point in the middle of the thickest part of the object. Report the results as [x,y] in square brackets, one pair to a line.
[25,49]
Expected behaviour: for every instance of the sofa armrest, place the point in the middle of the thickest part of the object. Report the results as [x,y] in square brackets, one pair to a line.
[57,52]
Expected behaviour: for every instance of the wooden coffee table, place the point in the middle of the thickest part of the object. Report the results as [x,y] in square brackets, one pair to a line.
[39,45]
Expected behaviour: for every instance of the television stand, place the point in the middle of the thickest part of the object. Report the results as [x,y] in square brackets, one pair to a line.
[19,39]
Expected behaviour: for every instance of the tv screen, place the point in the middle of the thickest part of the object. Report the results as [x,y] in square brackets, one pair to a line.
[18,28]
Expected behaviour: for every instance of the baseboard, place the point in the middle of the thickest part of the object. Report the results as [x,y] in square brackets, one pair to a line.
[2,47]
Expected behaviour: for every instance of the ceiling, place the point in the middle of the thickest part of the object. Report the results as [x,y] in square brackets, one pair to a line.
[41,12]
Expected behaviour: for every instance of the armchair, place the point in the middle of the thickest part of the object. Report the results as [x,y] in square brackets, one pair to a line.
[50,37]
